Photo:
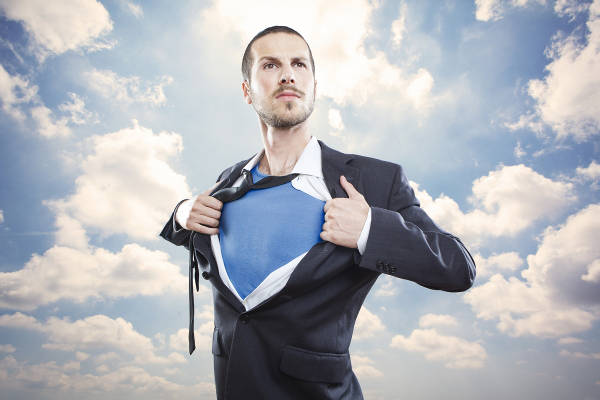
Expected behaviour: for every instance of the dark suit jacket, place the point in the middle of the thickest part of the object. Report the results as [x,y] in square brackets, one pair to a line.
[295,344]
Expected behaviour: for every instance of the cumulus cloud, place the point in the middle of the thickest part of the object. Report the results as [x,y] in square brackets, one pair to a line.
[346,72]
[127,89]
[506,201]
[1,216]
[119,382]
[493,10]
[97,332]
[204,323]
[578,354]
[14,91]
[335,120]
[129,183]
[364,368]
[569,340]
[7,348]
[432,320]
[399,26]
[58,26]
[20,98]
[367,325]
[558,296]
[567,99]
[454,352]
[79,274]
[388,288]
[504,262]
[589,173]
[133,8]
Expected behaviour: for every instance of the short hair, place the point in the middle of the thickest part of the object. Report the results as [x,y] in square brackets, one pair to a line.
[247,59]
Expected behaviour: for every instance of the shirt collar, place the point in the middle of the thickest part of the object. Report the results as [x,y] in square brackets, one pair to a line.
[309,162]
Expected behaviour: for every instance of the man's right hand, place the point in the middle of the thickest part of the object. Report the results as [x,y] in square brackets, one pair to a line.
[201,214]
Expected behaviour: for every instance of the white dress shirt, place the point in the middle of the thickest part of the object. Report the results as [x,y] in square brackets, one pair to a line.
[311,182]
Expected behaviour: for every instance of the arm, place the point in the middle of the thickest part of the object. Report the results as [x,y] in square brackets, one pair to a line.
[404,242]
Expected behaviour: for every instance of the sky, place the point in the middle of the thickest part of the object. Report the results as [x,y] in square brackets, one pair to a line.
[113,111]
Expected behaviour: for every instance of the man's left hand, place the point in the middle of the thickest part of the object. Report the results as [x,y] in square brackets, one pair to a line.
[345,218]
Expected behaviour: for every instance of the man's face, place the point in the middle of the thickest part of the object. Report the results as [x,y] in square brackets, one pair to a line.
[282,87]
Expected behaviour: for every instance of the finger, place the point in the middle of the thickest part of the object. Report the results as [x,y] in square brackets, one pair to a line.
[201,209]
[349,188]
[211,202]
[327,205]
[324,236]
[208,191]
[202,229]
[205,220]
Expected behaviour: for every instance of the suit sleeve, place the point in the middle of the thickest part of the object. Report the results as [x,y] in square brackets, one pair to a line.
[404,242]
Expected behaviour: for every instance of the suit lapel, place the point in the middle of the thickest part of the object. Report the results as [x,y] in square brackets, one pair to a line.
[202,242]
[311,269]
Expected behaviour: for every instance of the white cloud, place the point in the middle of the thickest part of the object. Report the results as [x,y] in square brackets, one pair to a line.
[127,89]
[135,9]
[578,354]
[20,98]
[519,152]
[399,26]
[14,91]
[364,368]
[503,262]
[367,325]
[567,99]
[335,119]
[65,380]
[590,173]
[204,324]
[389,286]
[60,25]
[344,71]
[569,340]
[80,274]
[494,9]
[454,352]
[554,299]
[97,332]
[129,182]
[507,201]
[432,320]
[570,7]
[1,216]
[7,348]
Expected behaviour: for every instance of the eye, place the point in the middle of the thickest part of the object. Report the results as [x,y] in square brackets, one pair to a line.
[269,66]
[301,64]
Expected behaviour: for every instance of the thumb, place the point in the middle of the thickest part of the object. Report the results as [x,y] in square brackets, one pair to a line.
[349,188]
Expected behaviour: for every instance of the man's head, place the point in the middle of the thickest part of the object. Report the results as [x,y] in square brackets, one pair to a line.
[247,60]
[279,79]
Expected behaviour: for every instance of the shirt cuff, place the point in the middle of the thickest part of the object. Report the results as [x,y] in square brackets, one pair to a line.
[364,234]
[183,212]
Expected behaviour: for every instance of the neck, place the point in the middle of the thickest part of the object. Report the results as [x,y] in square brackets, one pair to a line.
[283,147]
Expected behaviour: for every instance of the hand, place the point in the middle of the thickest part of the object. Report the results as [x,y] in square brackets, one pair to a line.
[345,218]
[205,213]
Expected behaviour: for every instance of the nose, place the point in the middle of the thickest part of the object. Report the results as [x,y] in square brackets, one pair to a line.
[287,76]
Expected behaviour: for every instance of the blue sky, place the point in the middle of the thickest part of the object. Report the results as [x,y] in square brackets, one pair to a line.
[112,111]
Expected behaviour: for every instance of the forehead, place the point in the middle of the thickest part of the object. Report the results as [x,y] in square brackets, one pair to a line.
[280,45]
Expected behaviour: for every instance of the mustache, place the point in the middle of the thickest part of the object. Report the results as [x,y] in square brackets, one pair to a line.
[289,89]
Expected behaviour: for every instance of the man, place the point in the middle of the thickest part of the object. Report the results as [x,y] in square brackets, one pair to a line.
[290,265]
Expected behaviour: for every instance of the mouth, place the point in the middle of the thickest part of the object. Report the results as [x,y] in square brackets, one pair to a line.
[287,95]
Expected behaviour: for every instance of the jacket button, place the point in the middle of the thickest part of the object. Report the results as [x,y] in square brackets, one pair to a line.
[205,275]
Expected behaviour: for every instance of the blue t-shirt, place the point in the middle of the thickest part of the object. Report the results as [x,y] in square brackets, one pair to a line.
[265,229]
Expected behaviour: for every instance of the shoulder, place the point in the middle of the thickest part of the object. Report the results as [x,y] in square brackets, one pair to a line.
[365,164]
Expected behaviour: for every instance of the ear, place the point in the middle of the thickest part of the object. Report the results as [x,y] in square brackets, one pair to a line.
[246,91]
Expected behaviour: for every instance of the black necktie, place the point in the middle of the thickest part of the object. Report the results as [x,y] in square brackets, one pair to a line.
[226,195]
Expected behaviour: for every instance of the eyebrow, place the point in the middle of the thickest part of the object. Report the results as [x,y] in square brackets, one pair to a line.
[271,58]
